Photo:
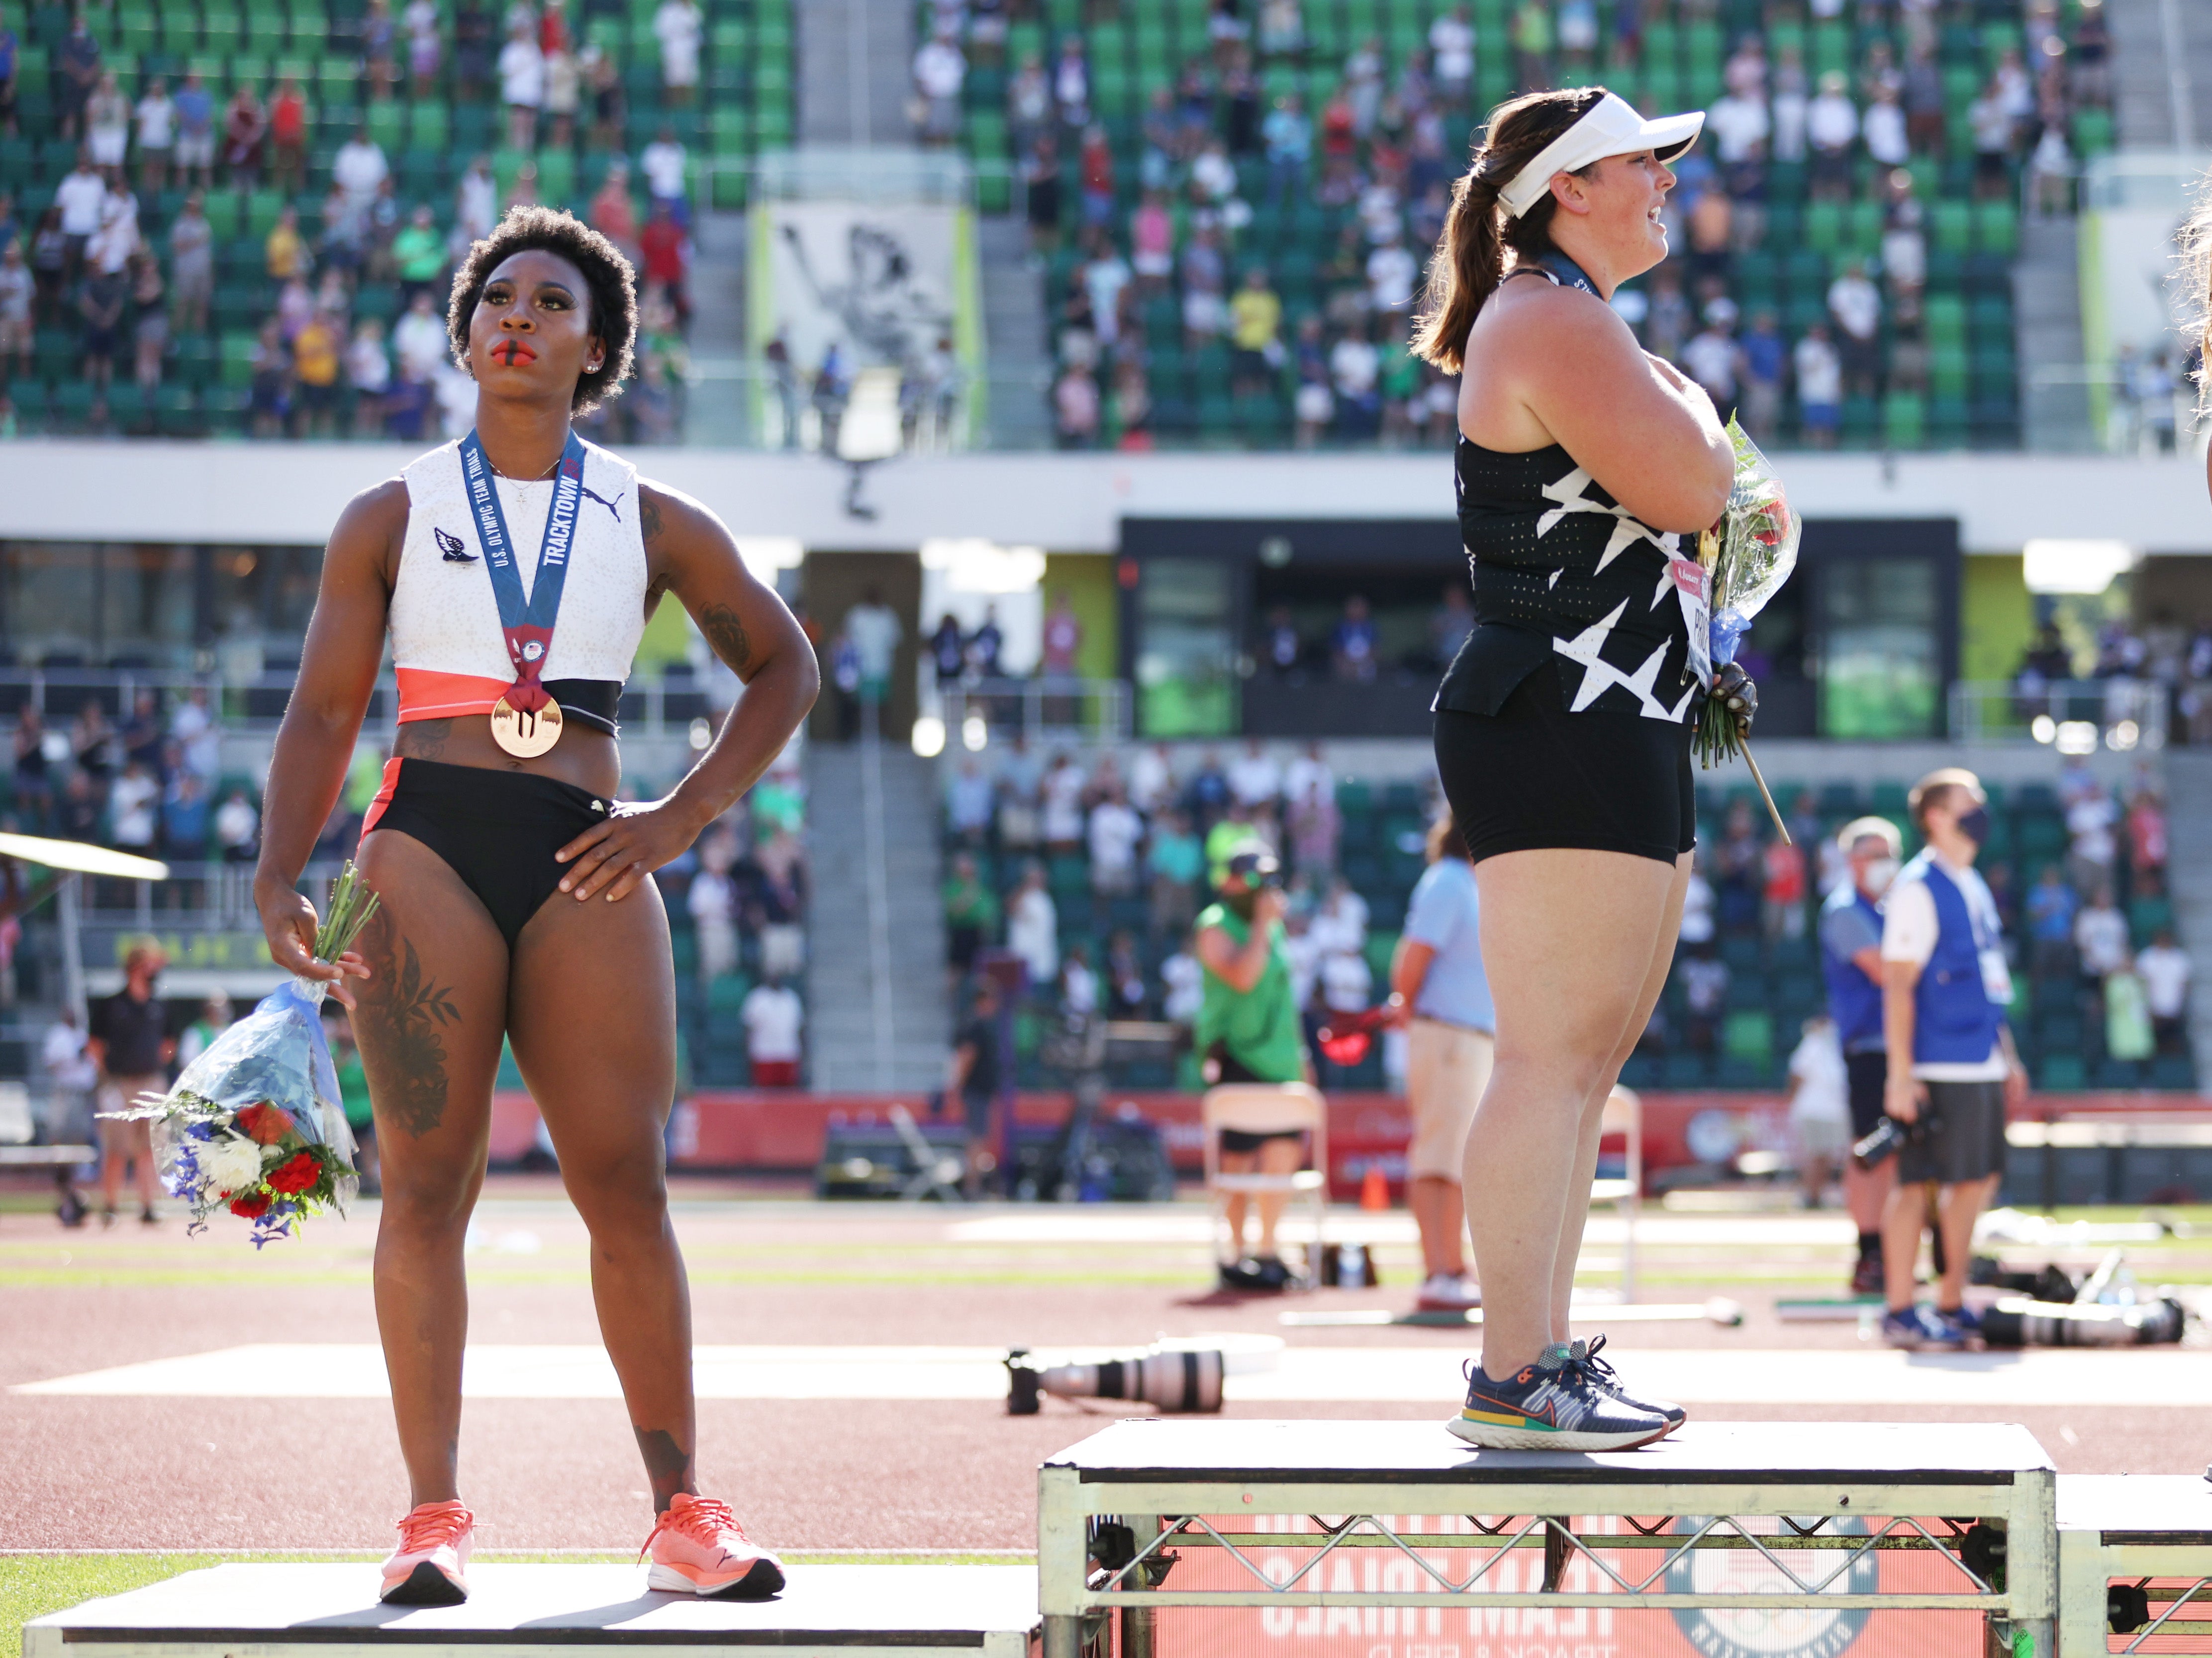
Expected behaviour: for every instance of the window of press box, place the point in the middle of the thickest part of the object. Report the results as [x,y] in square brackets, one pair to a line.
[1186,658]
[161,605]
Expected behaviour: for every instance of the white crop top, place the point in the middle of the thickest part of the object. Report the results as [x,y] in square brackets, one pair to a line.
[445,642]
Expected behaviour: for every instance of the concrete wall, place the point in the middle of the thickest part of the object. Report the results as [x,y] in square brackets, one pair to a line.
[281,493]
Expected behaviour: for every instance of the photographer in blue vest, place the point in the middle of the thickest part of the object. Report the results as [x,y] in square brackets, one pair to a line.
[1850,959]
[1953,1071]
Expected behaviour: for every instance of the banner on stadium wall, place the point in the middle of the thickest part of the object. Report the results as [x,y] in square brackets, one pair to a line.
[880,281]
[1557,1631]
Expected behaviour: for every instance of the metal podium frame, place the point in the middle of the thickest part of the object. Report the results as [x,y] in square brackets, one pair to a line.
[2132,1525]
[1773,1488]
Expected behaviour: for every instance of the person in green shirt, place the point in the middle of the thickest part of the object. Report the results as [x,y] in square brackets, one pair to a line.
[971,916]
[418,253]
[1247,1031]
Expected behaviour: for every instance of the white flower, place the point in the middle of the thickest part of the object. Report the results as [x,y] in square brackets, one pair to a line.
[231,1164]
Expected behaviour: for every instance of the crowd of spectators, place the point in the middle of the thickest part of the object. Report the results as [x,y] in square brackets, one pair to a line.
[1274,240]
[1092,871]
[152,784]
[125,261]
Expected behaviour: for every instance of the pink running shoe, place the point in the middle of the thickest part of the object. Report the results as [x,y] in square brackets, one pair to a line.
[430,1567]
[699,1548]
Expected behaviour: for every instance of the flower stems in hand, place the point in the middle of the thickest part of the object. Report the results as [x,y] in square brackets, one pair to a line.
[352,902]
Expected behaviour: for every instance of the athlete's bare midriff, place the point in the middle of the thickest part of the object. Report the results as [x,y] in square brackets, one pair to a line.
[589,759]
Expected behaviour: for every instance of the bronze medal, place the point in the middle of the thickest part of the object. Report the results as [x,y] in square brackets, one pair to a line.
[525,735]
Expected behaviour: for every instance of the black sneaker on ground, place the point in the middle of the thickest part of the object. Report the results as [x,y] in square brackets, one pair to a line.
[1866,1277]
[1606,1380]
[1552,1405]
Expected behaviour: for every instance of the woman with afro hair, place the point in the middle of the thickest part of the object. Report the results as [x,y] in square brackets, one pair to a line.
[515,571]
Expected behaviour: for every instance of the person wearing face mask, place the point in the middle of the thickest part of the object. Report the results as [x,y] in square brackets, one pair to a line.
[1850,958]
[1248,1031]
[1953,1072]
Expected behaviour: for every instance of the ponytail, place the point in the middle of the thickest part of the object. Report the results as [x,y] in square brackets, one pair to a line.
[1470,261]
[2197,252]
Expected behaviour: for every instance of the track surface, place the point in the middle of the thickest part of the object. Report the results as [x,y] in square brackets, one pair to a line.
[886,1473]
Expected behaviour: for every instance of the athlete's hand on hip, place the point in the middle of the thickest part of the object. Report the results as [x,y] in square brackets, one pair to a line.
[616,854]
[289,922]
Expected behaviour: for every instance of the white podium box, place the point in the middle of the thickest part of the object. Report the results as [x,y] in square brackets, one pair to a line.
[1164,1513]
[318,1611]
[2151,1532]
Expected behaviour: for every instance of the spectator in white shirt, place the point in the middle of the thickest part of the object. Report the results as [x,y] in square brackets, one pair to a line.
[1391,271]
[1820,386]
[1886,139]
[132,803]
[1339,924]
[1033,927]
[772,1016]
[1346,982]
[359,169]
[1061,794]
[2166,971]
[678,26]
[476,203]
[157,135]
[1151,779]
[1820,1107]
[2100,936]
[663,162]
[1308,773]
[1855,303]
[237,828]
[1115,831]
[419,338]
[81,195]
[1740,125]
[713,904]
[938,71]
[1831,127]
[1452,47]
[969,801]
[522,83]
[1712,359]
[1255,779]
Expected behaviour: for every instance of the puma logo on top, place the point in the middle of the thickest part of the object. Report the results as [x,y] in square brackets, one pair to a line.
[614,506]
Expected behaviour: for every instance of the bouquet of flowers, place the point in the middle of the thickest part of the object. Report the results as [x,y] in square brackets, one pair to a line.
[255,1124]
[1747,557]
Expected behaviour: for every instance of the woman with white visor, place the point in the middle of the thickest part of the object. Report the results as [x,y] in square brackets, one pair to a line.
[1585,467]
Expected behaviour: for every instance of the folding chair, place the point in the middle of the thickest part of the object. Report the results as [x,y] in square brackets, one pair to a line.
[936,1171]
[1270,1109]
[1624,1115]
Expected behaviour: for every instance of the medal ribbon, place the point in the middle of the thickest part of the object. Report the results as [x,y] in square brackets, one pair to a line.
[1569,273]
[526,626]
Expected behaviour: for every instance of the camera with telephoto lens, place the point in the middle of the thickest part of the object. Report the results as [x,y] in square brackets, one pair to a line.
[1889,1135]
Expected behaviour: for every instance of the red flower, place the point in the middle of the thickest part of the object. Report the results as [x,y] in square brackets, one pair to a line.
[298,1174]
[266,1124]
[251,1206]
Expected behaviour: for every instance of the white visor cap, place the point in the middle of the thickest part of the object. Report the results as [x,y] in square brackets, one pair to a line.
[1612,127]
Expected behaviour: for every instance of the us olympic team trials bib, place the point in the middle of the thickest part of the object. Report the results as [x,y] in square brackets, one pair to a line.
[526,720]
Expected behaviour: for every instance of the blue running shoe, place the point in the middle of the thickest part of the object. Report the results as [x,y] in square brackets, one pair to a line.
[1604,1378]
[1552,1405]
[1968,1321]
[1919,1327]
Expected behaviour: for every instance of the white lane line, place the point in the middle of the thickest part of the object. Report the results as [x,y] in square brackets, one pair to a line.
[1715,1376]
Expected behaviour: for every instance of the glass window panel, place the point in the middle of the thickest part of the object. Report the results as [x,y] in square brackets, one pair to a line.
[1880,664]
[1186,657]
[262,598]
[146,593]
[51,599]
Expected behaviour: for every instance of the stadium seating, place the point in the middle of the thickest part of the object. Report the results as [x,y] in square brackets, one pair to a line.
[1774,981]
[1944,380]
[743,106]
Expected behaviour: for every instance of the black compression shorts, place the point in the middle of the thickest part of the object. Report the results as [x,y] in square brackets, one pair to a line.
[497,830]
[1534,775]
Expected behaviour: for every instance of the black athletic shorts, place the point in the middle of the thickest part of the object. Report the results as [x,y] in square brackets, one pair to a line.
[1968,1141]
[498,830]
[1534,775]
[1868,1076]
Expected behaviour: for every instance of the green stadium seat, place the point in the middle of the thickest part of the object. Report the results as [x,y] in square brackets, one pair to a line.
[1905,420]
[176,412]
[1950,227]
[238,359]
[1996,228]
